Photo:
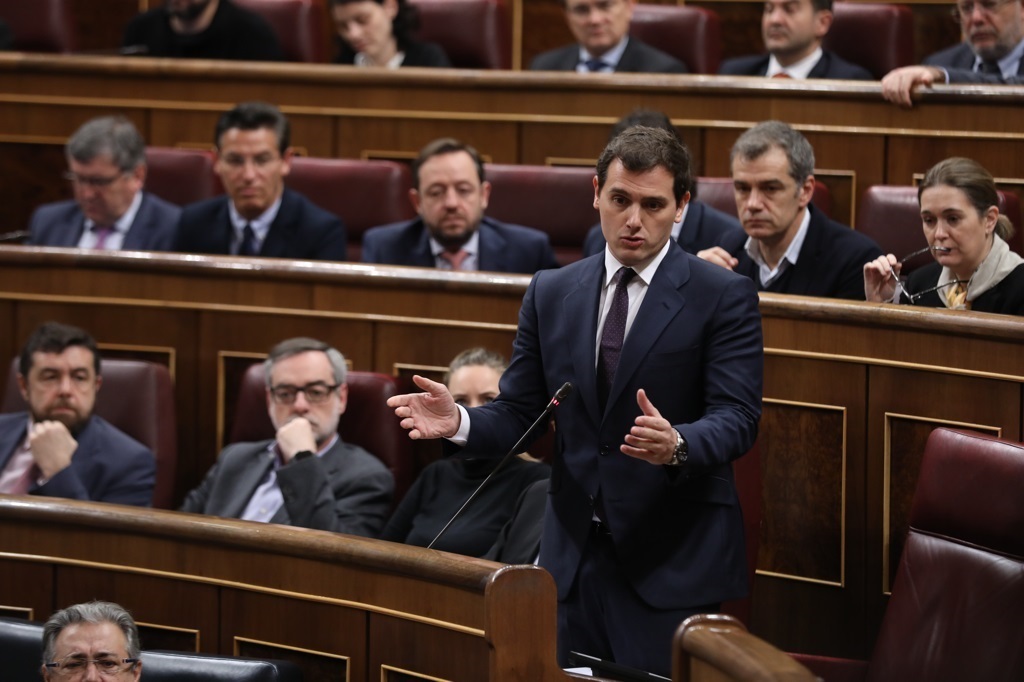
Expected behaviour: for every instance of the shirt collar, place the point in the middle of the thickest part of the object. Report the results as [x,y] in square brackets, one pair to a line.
[361,60]
[1009,64]
[799,70]
[753,250]
[646,273]
[260,225]
[611,57]
[472,247]
[124,223]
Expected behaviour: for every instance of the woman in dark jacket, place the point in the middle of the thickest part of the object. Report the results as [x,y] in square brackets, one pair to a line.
[379,33]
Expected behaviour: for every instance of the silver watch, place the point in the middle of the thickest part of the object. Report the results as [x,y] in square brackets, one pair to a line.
[680,453]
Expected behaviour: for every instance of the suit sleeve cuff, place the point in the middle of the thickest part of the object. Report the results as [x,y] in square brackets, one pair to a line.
[461,436]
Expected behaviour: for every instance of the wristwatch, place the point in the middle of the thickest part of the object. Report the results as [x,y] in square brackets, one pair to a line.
[680,453]
[303,454]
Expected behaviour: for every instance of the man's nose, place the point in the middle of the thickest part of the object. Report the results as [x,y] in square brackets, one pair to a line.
[633,216]
[301,404]
[65,383]
[451,197]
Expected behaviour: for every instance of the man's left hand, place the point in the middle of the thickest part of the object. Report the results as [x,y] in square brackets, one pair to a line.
[652,438]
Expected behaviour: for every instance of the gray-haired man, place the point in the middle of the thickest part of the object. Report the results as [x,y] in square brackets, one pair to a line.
[95,640]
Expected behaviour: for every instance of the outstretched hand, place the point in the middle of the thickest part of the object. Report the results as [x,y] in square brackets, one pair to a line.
[431,414]
[652,437]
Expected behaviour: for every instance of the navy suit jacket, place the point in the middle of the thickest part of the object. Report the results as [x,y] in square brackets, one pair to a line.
[638,57]
[504,247]
[62,223]
[961,56]
[301,229]
[696,348]
[830,264]
[703,227]
[968,76]
[830,65]
[108,466]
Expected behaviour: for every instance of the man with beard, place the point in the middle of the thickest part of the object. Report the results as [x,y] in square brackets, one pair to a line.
[202,29]
[60,448]
[792,31]
[451,233]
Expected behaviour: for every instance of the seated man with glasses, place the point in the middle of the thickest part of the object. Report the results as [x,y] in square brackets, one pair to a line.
[95,640]
[107,170]
[306,476]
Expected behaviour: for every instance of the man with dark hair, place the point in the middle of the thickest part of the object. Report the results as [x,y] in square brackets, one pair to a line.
[60,448]
[792,31]
[701,226]
[790,246]
[306,476]
[107,169]
[97,634]
[664,351]
[450,195]
[603,44]
[259,216]
[202,29]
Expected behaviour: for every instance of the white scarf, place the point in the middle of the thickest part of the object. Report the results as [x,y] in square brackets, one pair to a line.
[999,263]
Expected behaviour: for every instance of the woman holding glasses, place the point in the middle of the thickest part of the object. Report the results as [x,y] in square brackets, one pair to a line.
[974,268]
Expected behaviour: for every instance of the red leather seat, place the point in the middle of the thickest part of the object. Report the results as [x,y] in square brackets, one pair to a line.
[138,398]
[747,472]
[362,193]
[181,176]
[690,34]
[556,200]
[878,37]
[300,25]
[475,34]
[367,422]
[718,192]
[40,25]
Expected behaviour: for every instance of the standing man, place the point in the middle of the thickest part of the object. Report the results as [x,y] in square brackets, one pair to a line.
[643,525]
[792,31]
[93,641]
[259,216]
[451,233]
[107,169]
[791,247]
[60,448]
[306,476]
[603,45]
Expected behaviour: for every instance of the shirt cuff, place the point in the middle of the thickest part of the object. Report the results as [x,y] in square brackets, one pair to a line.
[462,435]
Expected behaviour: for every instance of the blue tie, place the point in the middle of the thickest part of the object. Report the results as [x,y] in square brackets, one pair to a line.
[248,246]
[594,65]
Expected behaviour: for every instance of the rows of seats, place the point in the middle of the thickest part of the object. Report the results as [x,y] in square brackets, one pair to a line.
[478,33]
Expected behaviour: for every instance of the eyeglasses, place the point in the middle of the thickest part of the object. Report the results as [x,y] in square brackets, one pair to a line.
[94,181]
[316,392]
[915,297]
[74,666]
[964,10]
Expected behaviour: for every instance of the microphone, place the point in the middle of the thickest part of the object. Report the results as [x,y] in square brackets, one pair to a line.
[16,236]
[556,400]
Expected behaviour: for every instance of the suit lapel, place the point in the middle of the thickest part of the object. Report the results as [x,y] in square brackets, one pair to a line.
[492,249]
[245,481]
[581,304]
[135,240]
[420,249]
[281,232]
[820,70]
[691,223]
[11,438]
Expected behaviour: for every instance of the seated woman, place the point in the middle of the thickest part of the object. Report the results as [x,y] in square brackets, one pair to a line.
[443,487]
[974,268]
[379,33]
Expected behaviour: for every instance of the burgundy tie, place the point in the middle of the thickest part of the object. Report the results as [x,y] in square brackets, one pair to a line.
[102,232]
[613,333]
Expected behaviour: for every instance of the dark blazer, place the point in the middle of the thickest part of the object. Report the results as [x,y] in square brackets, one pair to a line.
[638,57]
[703,227]
[301,230]
[347,490]
[504,247]
[830,264]
[830,65]
[519,540]
[108,465]
[62,223]
[416,54]
[961,57]
[968,76]
[696,348]
[1005,298]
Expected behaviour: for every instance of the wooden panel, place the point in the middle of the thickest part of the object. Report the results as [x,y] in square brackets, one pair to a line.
[26,590]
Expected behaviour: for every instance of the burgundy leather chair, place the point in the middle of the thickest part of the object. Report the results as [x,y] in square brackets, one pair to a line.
[690,34]
[362,193]
[891,216]
[300,25]
[367,422]
[747,472]
[475,34]
[138,398]
[878,37]
[556,200]
[40,25]
[181,176]
[718,192]
[955,610]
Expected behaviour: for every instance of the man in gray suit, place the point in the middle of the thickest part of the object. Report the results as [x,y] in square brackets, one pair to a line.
[306,476]
[107,170]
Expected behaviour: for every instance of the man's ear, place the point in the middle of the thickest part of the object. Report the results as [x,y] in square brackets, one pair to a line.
[23,386]
[414,199]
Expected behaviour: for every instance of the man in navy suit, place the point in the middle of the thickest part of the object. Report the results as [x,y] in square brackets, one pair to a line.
[451,232]
[643,526]
[789,247]
[59,448]
[792,31]
[107,169]
[259,216]
[603,45]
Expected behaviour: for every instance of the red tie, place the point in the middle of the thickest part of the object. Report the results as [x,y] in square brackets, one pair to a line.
[455,258]
[782,74]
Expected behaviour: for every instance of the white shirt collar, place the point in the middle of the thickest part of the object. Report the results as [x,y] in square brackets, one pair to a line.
[260,225]
[767,274]
[124,223]
[1009,64]
[362,60]
[611,57]
[645,274]
[799,70]
[472,247]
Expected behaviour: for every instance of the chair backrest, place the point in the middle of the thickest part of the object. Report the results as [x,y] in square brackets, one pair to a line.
[690,34]
[21,648]
[891,216]
[180,666]
[556,200]
[362,193]
[40,25]
[138,398]
[718,192]
[300,26]
[955,611]
[367,421]
[181,176]
[891,31]
[475,34]
[747,473]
